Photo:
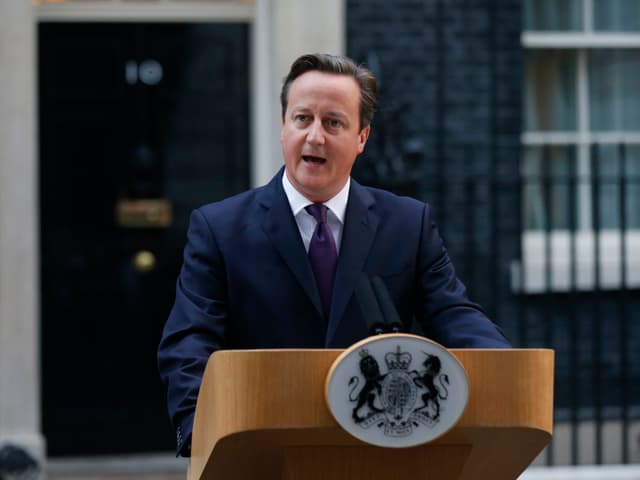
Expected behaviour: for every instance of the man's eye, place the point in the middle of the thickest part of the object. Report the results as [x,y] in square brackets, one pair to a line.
[334,123]
[302,118]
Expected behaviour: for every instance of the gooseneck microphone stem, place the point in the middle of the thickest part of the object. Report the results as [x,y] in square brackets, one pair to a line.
[377,306]
[389,312]
[369,306]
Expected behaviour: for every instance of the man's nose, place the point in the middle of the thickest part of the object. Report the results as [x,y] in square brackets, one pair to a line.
[315,134]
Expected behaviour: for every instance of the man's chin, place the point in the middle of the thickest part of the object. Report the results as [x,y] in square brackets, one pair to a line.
[314,189]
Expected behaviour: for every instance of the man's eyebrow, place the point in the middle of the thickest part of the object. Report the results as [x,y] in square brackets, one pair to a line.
[331,113]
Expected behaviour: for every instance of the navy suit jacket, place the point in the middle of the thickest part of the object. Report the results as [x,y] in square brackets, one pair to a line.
[246,282]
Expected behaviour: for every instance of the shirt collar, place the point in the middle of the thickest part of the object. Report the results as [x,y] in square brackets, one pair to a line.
[297,201]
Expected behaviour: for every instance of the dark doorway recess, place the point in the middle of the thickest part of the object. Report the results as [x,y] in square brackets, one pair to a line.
[139,124]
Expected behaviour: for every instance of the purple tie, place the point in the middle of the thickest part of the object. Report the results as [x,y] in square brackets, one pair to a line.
[323,255]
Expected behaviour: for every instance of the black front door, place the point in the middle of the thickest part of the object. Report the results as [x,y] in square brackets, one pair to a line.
[139,124]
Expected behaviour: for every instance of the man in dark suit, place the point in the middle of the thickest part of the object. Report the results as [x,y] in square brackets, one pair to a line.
[276,267]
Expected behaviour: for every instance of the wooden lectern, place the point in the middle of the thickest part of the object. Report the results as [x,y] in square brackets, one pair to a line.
[261,414]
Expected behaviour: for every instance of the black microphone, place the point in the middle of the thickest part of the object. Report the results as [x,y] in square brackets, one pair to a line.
[369,306]
[391,317]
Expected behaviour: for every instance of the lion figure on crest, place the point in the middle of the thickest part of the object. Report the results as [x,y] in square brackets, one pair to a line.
[372,387]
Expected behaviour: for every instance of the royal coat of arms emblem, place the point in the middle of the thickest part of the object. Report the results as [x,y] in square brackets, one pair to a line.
[397,390]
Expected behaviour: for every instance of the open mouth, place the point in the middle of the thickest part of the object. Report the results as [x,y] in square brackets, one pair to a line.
[312,159]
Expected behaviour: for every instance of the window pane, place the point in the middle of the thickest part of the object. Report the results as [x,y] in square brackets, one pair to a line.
[553,15]
[631,156]
[549,184]
[550,93]
[617,169]
[616,15]
[614,90]
[606,170]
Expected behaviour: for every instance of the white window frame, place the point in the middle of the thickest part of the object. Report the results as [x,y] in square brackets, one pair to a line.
[562,260]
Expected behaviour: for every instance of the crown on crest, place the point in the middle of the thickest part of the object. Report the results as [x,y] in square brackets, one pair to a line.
[398,360]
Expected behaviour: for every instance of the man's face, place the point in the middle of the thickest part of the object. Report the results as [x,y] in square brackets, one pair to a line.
[320,134]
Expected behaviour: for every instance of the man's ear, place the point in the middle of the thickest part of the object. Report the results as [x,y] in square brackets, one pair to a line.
[363,136]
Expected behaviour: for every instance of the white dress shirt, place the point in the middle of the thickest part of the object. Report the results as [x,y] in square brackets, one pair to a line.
[306,223]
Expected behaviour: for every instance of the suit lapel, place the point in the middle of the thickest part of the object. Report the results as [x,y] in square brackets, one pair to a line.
[361,224]
[281,228]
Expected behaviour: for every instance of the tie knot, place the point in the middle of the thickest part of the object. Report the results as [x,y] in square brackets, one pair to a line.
[318,211]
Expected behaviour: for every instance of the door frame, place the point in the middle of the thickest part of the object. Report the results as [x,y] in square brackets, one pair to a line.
[278,31]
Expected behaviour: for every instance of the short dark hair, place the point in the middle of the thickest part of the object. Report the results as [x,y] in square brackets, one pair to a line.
[323,62]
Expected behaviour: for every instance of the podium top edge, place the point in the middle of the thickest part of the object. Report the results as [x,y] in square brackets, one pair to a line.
[289,350]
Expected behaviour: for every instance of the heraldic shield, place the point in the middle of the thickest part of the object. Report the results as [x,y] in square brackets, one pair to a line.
[397,390]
